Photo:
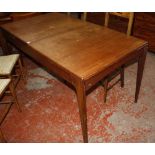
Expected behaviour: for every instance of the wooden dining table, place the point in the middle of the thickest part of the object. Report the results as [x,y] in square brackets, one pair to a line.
[80,52]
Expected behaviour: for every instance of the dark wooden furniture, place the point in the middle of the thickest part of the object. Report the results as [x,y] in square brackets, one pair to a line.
[116,22]
[23,15]
[7,17]
[14,16]
[63,44]
[143,25]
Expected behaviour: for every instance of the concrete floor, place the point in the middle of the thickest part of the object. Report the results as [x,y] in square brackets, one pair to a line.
[50,111]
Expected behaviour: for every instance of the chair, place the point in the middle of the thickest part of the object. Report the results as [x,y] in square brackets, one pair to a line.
[84,16]
[9,66]
[127,15]
[6,87]
[119,71]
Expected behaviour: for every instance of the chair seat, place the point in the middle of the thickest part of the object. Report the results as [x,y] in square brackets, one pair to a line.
[7,63]
[3,84]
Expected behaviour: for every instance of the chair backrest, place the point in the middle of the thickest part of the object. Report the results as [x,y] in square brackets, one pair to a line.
[84,17]
[128,15]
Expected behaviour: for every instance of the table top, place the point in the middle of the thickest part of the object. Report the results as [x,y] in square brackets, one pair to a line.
[82,48]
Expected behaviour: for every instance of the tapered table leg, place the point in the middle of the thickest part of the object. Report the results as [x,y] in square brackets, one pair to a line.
[141,62]
[81,97]
[2,136]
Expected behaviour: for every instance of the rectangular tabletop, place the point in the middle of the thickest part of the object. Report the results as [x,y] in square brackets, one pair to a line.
[78,51]
[82,48]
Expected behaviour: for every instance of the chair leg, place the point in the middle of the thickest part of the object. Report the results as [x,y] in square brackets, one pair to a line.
[2,136]
[122,76]
[21,58]
[13,93]
[21,69]
[105,89]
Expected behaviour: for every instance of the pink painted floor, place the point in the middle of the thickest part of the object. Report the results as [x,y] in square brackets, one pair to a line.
[50,111]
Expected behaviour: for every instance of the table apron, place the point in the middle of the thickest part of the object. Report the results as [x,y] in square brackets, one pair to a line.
[62,72]
[41,59]
[102,74]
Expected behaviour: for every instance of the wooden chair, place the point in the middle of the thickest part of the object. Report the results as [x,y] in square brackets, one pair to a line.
[84,16]
[11,67]
[119,71]
[6,87]
[128,15]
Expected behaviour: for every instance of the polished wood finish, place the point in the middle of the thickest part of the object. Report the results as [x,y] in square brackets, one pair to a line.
[7,17]
[81,96]
[144,27]
[105,88]
[80,52]
[141,63]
